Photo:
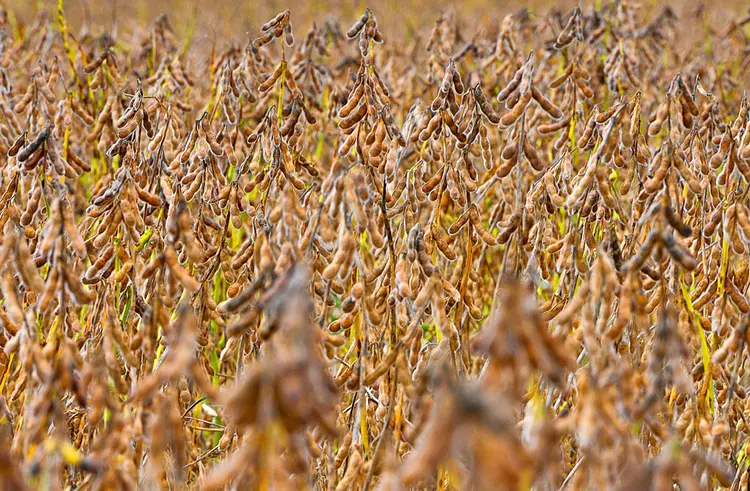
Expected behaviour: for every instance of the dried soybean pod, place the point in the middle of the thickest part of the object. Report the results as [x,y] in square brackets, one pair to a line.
[676,223]
[268,83]
[359,25]
[635,115]
[545,129]
[33,145]
[511,116]
[460,222]
[532,156]
[737,297]
[588,131]
[402,285]
[713,221]
[551,189]
[655,182]
[17,145]
[585,89]
[96,63]
[432,126]
[354,117]
[32,205]
[433,182]
[484,105]
[741,215]
[678,252]
[343,451]
[510,150]
[546,104]
[170,258]
[562,78]
[603,117]
[476,222]
[511,86]
[661,115]
[507,231]
[443,246]
[570,31]
[567,314]
[582,186]
[692,181]
[354,98]
[638,259]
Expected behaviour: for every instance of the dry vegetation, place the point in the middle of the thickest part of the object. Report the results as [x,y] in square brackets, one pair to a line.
[517,260]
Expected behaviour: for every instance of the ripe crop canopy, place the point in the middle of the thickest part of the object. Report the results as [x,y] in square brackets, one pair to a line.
[508,253]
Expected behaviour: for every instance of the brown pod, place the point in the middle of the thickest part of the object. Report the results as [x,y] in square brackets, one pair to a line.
[93,65]
[268,83]
[661,115]
[484,105]
[654,183]
[676,223]
[354,99]
[510,150]
[512,116]
[692,181]
[78,162]
[33,145]
[277,19]
[603,117]
[460,222]
[507,231]
[17,145]
[130,126]
[511,86]
[506,166]
[546,104]
[355,116]
[585,89]
[32,205]
[738,298]
[562,78]
[433,182]
[534,160]
[551,189]
[443,246]
[585,139]
[359,25]
[545,129]
[476,222]
[637,260]
[453,127]
[679,252]
[432,126]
